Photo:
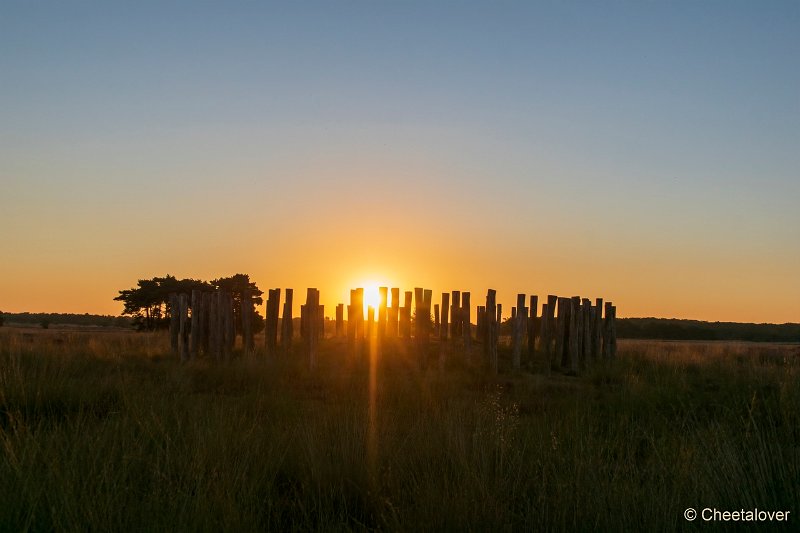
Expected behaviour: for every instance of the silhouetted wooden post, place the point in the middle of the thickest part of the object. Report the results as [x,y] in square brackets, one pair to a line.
[351,318]
[287,326]
[339,320]
[481,323]
[532,323]
[271,323]
[370,327]
[560,358]
[455,312]
[174,322]
[549,332]
[436,323]
[228,327]
[383,292]
[490,344]
[213,326]
[360,333]
[312,326]
[194,332]
[466,326]
[445,323]
[406,315]
[419,305]
[303,322]
[393,313]
[610,332]
[321,321]
[520,325]
[183,311]
[574,341]
[597,330]
[588,330]
[247,329]
[205,322]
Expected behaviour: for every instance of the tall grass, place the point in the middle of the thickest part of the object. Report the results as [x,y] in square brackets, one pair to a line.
[108,432]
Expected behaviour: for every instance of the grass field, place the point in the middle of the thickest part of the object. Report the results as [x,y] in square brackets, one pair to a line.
[107,432]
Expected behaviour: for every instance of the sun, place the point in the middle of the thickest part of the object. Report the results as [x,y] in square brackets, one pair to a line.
[372,296]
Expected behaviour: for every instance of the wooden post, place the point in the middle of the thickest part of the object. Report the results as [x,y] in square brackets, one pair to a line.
[548,333]
[597,332]
[481,323]
[303,322]
[370,326]
[213,326]
[174,322]
[490,344]
[273,314]
[287,325]
[183,310]
[194,331]
[406,325]
[205,322]
[393,314]
[532,325]
[312,325]
[575,337]
[466,319]
[436,323]
[455,312]
[560,358]
[351,318]
[418,312]
[445,324]
[383,292]
[359,310]
[610,332]
[340,320]
[218,323]
[588,330]
[228,337]
[520,325]
[321,321]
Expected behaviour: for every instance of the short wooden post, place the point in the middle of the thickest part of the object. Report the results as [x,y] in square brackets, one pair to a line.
[533,325]
[174,322]
[383,292]
[339,320]
[466,319]
[520,325]
[455,312]
[490,344]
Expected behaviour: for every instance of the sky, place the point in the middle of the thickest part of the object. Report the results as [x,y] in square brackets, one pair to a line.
[643,152]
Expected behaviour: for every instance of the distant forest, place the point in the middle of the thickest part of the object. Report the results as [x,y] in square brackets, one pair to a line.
[676,329]
[627,328]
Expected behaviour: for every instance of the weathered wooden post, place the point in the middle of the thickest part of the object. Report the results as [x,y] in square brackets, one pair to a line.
[213,326]
[194,332]
[610,332]
[588,330]
[360,332]
[339,320]
[481,323]
[370,327]
[303,322]
[575,336]
[406,315]
[490,344]
[351,318]
[183,311]
[436,323]
[312,325]
[560,353]
[549,332]
[287,326]
[455,312]
[217,322]
[445,316]
[383,292]
[532,325]
[205,322]
[273,314]
[393,314]
[466,319]
[174,322]
[520,325]
[597,330]
[419,305]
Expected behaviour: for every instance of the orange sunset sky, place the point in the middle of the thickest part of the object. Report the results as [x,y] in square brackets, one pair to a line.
[643,153]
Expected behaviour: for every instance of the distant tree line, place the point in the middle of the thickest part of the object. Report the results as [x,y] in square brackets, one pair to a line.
[65,318]
[148,302]
[676,329]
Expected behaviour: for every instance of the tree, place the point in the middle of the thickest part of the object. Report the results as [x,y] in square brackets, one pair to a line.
[237,285]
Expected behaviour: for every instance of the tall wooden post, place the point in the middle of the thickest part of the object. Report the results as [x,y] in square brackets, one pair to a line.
[360,333]
[339,320]
[383,292]
[247,328]
[406,315]
[351,317]
[466,319]
[287,326]
[560,353]
[610,332]
[393,314]
[520,325]
[481,323]
[312,325]
[445,316]
[532,325]
[588,330]
[205,322]
[213,326]
[436,324]
[455,312]
[575,336]
[370,326]
[490,344]
[228,329]
[597,330]
[194,332]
